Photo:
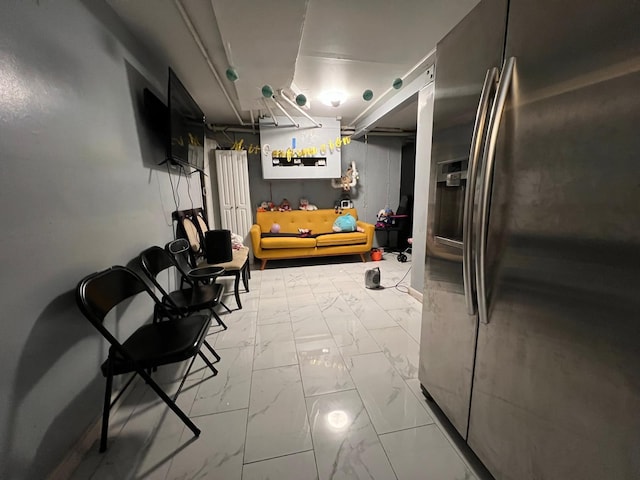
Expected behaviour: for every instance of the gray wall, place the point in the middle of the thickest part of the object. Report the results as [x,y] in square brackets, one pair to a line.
[79,191]
[377,160]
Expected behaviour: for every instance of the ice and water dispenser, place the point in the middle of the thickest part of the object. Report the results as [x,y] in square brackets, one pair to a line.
[451,183]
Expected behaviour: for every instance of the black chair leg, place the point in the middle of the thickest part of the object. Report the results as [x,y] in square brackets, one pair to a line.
[218,319]
[236,284]
[209,364]
[184,378]
[105,412]
[246,275]
[225,307]
[213,352]
[170,403]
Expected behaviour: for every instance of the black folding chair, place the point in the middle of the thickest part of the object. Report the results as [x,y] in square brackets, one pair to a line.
[164,342]
[193,298]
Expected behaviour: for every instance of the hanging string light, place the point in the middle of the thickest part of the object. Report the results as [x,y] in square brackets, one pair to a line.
[267,91]
[301,100]
[232,74]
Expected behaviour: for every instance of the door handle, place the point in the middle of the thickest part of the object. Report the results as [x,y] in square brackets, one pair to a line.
[488,160]
[490,81]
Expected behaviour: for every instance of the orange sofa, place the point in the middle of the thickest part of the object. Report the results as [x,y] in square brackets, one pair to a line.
[322,241]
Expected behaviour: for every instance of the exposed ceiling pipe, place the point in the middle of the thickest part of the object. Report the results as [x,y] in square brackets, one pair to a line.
[273,117]
[253,121]
[426,59]
[294,105]
[196,37]
[273,97]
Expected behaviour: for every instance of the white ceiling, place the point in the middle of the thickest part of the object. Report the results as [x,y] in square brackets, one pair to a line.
[298,46]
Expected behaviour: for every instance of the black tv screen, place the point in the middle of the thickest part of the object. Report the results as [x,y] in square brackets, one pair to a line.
[186,126]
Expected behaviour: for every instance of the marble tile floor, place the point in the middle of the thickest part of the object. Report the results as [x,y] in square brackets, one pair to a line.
[318,380]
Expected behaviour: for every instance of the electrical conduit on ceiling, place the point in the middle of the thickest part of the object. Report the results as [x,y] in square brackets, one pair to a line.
[424,62]
[196,37]
[295,124]
[284,97]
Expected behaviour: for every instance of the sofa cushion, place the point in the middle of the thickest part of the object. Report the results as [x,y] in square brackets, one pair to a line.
[287,242]
[318,221]
[341,238]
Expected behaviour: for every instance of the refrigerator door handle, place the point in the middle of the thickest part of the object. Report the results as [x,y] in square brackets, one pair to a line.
[482,225]
[490,81]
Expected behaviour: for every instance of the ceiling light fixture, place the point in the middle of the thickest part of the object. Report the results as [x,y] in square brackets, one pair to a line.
[333,98]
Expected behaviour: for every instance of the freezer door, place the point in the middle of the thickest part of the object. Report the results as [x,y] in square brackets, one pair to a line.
[556,392]
[448,336]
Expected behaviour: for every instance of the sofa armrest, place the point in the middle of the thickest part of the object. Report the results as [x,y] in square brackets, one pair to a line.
[256,235]
[369,229]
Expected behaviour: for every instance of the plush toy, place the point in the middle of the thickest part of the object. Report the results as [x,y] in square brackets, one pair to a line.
[304,232]
[384,218]
[271,207]
[275,228]
[346,223]
[236,241]
[348,180]
[305,205]
[263,207]
[285,206]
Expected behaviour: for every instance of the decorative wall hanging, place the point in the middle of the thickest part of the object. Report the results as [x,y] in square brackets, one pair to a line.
[348,180]
[290,153]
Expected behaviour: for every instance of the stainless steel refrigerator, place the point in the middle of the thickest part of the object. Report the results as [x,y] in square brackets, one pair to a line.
[530,338]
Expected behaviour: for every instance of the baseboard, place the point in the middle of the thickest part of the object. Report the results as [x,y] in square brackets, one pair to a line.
[74,457]
[72,460]
[415,294]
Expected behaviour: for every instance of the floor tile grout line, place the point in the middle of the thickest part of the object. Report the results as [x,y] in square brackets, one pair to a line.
[246,425]
[406,429]
[220,412]
[375,431]
[436,421]
[306,411]
[278,456]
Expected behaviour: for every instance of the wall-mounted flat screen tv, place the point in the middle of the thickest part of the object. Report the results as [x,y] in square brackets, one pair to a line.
[186,126]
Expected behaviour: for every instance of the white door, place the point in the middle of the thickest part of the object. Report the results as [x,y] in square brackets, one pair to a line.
[233,189]
[225,189]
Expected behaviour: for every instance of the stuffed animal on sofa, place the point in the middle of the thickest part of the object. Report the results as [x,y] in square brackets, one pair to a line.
[305,205]
[263,207]
[285,206]
[346,223]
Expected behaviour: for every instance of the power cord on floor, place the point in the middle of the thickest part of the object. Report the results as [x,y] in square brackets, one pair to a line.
[397,286]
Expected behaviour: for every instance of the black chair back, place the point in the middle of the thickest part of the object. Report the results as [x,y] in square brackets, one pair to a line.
[99,292]
[179,251]
[155,260]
